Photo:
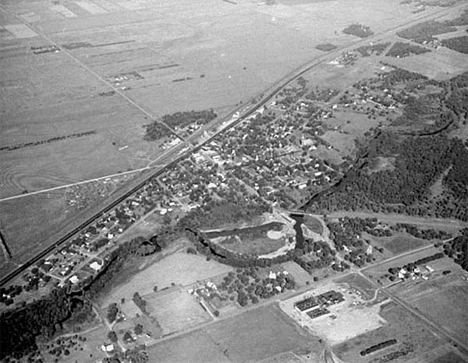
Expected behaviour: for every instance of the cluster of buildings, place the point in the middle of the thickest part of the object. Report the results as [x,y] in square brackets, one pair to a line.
[316,306]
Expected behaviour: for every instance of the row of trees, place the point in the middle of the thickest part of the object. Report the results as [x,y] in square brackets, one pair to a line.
[46,316]
[458,249]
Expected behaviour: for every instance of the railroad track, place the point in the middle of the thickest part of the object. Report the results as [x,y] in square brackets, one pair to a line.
[265,97]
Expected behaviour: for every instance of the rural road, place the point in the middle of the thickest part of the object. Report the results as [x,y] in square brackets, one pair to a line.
[171,159]
[434,326]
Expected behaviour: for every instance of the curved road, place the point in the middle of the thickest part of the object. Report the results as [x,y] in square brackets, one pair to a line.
[267,95]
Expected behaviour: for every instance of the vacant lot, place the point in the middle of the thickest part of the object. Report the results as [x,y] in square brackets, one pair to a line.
[257,334]
[179,269]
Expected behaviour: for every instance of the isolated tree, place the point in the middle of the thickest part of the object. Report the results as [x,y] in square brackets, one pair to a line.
[112,336]
[138,329]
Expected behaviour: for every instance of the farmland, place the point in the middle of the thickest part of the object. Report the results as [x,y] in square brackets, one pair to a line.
[126,65]
[99,97]
[440,64]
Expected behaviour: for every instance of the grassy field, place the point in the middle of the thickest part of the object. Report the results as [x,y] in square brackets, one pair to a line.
[258,246]
[195,347]
[257,334]
[450,357]
[407,330]
[300,275]
[87,351]
[444,300]
[179,269]
[313,224]
[401,243]
[440,64]
[359,283]
[175,310]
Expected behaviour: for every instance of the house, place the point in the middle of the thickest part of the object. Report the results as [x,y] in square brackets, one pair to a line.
[429,268]
[96,266]
[107,347]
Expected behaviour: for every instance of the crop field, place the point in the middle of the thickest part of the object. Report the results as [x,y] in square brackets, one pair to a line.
[175,310]
[179,269]
[444,299]
[258,334]
[195,347]
[440,64]
[412,337]
[19,224]
[80,80]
